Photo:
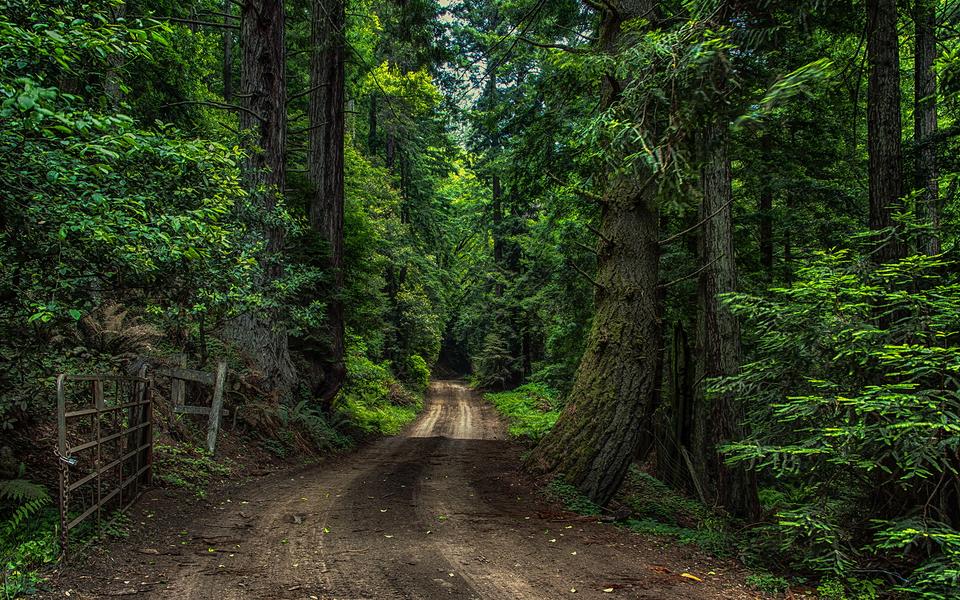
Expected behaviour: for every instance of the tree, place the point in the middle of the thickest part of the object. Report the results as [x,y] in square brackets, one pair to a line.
[325,168]
[718,333]
[884,128]
[263,122]
[594,441]
[925,117]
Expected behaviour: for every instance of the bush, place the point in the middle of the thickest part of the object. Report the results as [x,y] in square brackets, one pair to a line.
[368,395]
[531,410]
[853,407]
[187,467]
[417,373]
[27,534]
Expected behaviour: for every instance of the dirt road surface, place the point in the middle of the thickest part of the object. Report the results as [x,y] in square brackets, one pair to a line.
[439,512]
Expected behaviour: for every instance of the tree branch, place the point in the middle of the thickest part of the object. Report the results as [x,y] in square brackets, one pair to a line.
[220,105]
[585,275]
[306,92]
[692,275]
[697,225]
[576,190]
[194,22]
[548,46]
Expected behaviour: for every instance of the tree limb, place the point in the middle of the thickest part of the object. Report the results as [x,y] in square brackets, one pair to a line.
[306,92]
[697,225]
[692,275]
[585,275]
[220,105]
[563,47]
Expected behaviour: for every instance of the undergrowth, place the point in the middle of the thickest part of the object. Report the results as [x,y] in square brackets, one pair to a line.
[373,401]
[531,410]
[188,467]
[27,534]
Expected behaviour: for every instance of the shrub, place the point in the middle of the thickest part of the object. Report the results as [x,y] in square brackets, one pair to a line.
[531,410]
[417,373]
[853,406]
[366,400]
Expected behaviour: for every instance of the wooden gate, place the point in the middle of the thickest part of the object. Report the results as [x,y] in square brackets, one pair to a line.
[105,445]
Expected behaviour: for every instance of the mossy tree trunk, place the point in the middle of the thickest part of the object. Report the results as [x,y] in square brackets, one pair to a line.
[595,439]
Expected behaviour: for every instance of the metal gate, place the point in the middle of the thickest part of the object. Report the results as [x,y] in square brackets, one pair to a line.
[105,445]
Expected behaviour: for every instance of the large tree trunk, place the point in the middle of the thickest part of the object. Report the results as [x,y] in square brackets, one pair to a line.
[227,52]
[884,121]
[325,170]
[718,333]
[925,118]
[264,124]
[596,437]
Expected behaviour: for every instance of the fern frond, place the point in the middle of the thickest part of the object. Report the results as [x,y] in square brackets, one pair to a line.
[22,490]
[24,511]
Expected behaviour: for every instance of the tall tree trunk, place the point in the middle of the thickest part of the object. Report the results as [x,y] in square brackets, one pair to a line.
[227,52]
[884,127]
[765,210]
[264,124]
[718,333]
[596,437]
[325,171]
[925,117]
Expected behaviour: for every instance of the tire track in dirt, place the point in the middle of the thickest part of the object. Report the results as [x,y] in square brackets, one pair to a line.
[440,512]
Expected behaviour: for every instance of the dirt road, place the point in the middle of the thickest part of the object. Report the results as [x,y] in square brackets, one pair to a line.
[440,512]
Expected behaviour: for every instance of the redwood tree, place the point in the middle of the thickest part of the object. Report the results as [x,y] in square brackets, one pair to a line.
[925,117]
[884,121]
[325,163]
[595,438]
[263,121]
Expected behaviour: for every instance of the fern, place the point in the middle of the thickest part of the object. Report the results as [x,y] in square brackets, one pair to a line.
[25,511]
[22,490]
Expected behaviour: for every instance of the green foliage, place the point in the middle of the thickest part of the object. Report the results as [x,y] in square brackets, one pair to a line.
[572,499]
[850,589]
[307,418]
[188,468]
[531,410]
[853,399]
[27,534]
[417,373]
[658,510]
[767,583]
[372,400]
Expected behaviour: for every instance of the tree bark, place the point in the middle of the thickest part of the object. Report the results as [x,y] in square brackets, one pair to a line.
[884,127]
[264,123]
[925,118]
[596,437]
[326,174]
[227,53]
[718,333]
[765,210]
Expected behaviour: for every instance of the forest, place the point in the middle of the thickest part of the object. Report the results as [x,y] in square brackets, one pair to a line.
[707,249]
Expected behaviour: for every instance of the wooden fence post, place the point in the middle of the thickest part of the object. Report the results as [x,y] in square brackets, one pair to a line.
[217,405]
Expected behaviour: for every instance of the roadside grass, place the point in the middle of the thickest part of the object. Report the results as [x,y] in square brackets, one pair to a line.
[531,410]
